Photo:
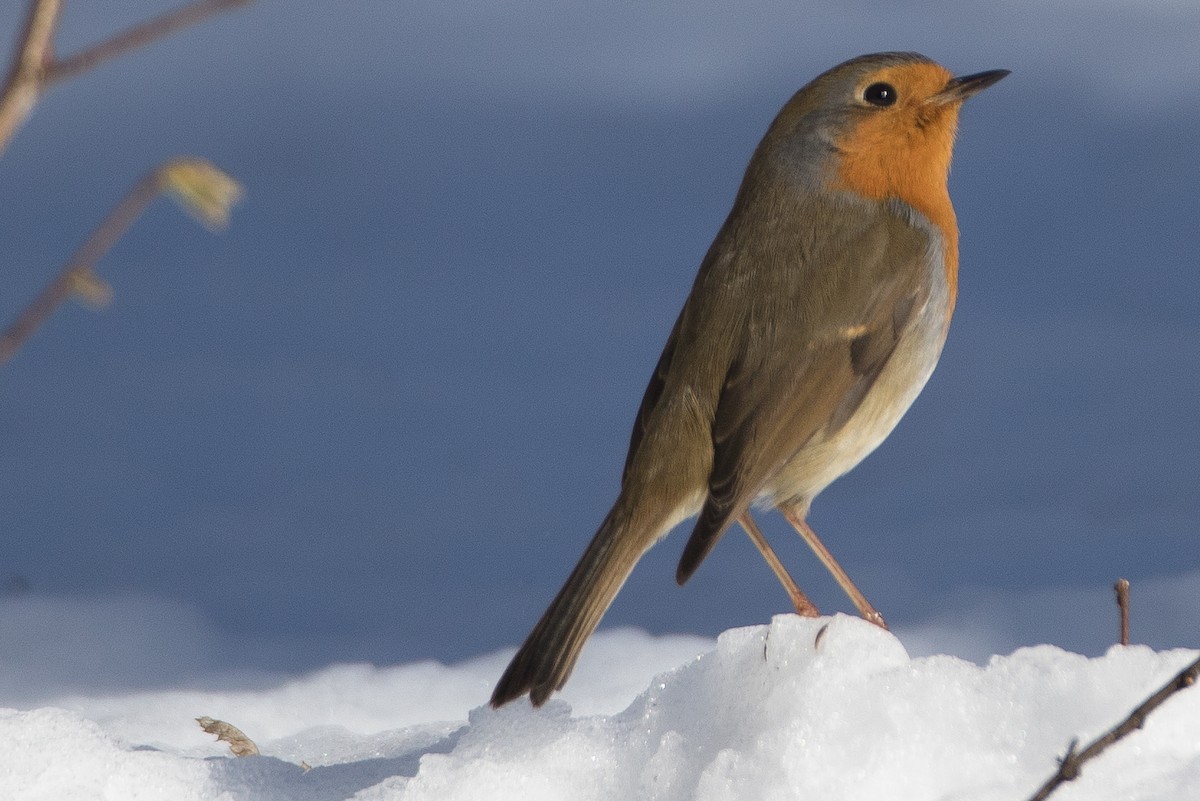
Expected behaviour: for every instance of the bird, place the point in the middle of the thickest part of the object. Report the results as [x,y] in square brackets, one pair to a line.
[815,319]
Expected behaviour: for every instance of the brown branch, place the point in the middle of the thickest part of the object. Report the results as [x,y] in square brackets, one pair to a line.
[137,36]
[34,66]
[202,189]
[80,265]
[26,76]
[1071,763]
[1121,588]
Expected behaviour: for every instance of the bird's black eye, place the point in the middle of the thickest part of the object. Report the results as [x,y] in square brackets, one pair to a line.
[880,94]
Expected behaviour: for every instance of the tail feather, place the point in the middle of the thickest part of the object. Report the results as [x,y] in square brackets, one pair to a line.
[547,657]
[714,519]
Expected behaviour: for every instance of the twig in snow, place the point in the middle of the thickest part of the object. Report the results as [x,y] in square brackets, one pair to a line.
[1070,765]
[1122,590]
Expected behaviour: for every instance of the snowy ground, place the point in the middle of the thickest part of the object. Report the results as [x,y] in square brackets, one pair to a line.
[773,711]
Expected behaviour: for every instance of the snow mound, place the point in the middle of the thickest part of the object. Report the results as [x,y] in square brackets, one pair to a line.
[831,709]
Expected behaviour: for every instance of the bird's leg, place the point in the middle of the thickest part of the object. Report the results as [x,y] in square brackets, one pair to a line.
[804,607]
[865,609]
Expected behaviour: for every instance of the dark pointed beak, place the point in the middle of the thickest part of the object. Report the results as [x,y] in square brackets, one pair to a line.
[965,86]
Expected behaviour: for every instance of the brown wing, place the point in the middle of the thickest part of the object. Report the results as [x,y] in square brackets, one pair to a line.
[650,398]
[807,362]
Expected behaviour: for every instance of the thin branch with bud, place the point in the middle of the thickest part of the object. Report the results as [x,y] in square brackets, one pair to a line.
[201,188]
[204,191]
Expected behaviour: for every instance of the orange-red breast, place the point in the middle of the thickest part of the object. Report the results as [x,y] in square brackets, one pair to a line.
[817,316]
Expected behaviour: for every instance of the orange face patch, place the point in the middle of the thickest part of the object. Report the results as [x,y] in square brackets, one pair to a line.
[903,150]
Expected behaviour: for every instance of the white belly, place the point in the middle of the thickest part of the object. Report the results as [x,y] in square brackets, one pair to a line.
[826,457]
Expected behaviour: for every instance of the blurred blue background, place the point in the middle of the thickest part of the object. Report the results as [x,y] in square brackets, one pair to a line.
[380,416]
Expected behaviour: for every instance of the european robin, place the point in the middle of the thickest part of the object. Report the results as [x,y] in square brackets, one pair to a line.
[816,318]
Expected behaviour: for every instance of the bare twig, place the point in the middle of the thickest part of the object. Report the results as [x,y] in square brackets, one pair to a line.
[80,265]
[137,36]
[26,75]
[35,67]
[205,191]
[1121,588]
[1070,765]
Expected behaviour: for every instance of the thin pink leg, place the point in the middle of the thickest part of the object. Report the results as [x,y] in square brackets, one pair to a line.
[865,609]
[804,607]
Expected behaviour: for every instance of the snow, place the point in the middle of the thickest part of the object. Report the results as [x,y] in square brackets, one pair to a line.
[831,708]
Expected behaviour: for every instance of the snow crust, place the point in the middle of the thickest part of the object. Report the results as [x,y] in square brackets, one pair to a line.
[831,708]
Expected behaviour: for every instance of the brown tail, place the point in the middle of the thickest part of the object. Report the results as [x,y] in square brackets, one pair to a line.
[548,655]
